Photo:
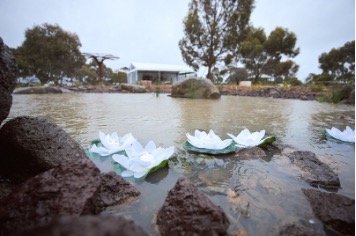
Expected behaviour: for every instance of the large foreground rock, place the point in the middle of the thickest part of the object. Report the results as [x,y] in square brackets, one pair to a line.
[195,88]
[66,190]
[8,73]
[32,145]
[315,172]
[113,190]
[89,226]
[72,189]
[188,211]
[337,212]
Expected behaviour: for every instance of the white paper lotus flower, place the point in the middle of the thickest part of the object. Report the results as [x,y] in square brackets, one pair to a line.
[348,135]
[248,139]
[140,161]
[112,143]
[207,141]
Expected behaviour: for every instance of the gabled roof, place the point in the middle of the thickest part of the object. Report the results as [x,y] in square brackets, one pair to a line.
[159,67]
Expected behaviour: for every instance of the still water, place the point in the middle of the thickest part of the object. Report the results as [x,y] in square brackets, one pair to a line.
[269,194]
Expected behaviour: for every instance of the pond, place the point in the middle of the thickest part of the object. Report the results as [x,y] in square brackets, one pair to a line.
[269,189]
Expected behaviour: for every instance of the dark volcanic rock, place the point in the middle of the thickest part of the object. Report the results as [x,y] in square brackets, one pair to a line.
[195,88]
[250,153]
[65,190]
[5,104]
[297,230]
[73,188]
[271,92]
[89,226]
[277,93]
[31,145]
[8,73]
[337,212]
[315,172]
[188,211]
[112,191]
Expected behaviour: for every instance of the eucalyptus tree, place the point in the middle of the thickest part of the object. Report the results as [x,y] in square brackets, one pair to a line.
[339,63]
[49,53]
[237,74]
[252,53]
[263,55]
[213,29]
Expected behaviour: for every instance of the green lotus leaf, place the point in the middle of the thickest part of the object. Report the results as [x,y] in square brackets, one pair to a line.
[231,148]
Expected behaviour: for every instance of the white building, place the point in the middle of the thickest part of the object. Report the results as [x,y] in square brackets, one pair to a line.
[158,73]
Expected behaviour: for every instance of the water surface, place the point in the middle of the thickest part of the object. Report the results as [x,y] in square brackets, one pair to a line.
[269,194]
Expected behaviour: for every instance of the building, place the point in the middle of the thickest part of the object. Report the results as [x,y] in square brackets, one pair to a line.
[158,73]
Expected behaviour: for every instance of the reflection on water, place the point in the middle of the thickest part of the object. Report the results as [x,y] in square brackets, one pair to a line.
[259,196]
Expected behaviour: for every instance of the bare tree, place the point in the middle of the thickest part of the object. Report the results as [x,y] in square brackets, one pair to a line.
[99,59]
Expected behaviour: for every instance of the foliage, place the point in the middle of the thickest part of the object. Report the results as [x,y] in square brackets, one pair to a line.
[119,77]
[86,74]
[237,74]
[340,93]
[285,70]
[317,88]
[49,53]
[293,81]
[339,63]
[213,29]
[263,55]
[319,79]
[217,76]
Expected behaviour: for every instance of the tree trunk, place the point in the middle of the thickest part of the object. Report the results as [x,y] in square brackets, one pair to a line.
[209,74]
[100,73]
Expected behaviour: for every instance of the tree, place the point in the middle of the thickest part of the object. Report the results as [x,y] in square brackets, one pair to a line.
[237,74]
[213,30]
[319,78]
[339,63]
[86,74]
[285,70]
[119,77]
[99,59]
[252,53]
[216,76]
[263,55]
[49,53]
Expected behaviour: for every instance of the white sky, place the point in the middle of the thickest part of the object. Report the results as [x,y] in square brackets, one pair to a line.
[149,31]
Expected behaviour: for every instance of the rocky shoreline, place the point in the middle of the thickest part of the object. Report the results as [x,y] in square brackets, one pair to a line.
[297,92]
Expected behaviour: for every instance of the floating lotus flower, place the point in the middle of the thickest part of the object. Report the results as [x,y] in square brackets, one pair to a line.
[207,141]
[248,139]
[141,161]
[348,135]
[112,143]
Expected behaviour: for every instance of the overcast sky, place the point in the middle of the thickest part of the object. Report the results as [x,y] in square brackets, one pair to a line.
[149,30]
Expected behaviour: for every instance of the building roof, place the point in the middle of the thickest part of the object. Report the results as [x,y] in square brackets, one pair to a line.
[159,67]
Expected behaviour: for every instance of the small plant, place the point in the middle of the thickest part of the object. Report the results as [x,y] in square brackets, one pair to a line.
[233,87]
[317,88]
[257,87]
[157,90]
